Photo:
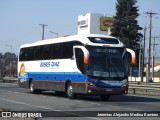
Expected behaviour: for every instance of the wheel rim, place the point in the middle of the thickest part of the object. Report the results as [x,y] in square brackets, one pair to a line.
[70,90]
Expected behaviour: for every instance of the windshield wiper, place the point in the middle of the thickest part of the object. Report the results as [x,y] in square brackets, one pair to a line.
[123,54]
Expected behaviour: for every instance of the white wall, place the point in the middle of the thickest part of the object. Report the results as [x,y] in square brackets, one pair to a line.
[92,24]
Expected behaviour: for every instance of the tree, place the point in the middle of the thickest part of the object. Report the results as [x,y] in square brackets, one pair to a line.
[5,61]
[125,26]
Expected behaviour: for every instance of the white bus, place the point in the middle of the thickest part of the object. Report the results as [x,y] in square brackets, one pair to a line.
[81,64]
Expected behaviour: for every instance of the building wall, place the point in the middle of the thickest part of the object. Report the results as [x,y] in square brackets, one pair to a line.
[90,24]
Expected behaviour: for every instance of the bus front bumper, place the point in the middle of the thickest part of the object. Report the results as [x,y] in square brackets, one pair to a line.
[106,91]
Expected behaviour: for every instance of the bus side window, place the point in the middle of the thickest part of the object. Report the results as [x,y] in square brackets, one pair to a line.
[37,53]
[46,52]
[30,54]
[67,50]
[56,51]
[22,54]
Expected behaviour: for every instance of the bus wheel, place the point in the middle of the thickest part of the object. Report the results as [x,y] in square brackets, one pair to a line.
[69,91]
[105,97]
[32,90]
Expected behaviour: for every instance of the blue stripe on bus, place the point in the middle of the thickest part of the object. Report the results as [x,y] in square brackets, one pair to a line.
[73,76]
[63,76]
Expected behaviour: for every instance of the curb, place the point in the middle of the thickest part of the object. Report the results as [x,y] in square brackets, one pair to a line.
[8,80]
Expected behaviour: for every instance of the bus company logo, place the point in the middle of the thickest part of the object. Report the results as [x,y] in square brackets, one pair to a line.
[23,75]
[52,65]
[22,69]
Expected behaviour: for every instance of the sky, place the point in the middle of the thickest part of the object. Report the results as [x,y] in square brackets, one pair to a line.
[20,19]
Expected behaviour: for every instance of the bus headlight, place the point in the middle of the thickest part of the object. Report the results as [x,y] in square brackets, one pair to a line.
[125,84]
[90,83]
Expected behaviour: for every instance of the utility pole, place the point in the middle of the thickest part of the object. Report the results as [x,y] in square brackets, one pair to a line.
[140,58]
[153,49]
[143,56]
[43,25]
[149,43]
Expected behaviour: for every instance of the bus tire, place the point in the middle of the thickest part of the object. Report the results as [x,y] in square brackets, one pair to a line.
[69,91]
[105,97]
[32,90]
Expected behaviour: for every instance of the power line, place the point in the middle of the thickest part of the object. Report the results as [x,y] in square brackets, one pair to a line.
[43,25]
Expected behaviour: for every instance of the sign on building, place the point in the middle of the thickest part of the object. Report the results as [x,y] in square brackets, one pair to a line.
[93,23]
[106,23]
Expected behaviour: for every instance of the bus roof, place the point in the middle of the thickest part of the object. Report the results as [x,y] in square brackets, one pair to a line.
[81,38]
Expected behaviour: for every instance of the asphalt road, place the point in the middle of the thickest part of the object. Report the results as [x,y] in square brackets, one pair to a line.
[13,98]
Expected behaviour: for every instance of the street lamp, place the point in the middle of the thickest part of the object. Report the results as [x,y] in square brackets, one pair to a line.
[54,33]
[11,58]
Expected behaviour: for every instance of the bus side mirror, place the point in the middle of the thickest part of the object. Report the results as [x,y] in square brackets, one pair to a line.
[132,54]
[86,60]
[81,57]
[85,53]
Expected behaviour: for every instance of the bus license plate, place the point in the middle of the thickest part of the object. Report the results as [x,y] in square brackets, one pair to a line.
[108,90]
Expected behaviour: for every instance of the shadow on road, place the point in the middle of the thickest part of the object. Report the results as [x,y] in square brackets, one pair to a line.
[113,98]
[131,98]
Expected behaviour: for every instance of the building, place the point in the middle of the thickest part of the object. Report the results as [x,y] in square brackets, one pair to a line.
[93,23]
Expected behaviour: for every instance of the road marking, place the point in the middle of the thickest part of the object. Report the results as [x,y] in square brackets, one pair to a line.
[88,102]
[74,100]
[47,108]
[114,106]
[17,102]
[25,104]
[53,97]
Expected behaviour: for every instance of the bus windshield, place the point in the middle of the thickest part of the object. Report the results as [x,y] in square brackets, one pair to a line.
[107,63]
